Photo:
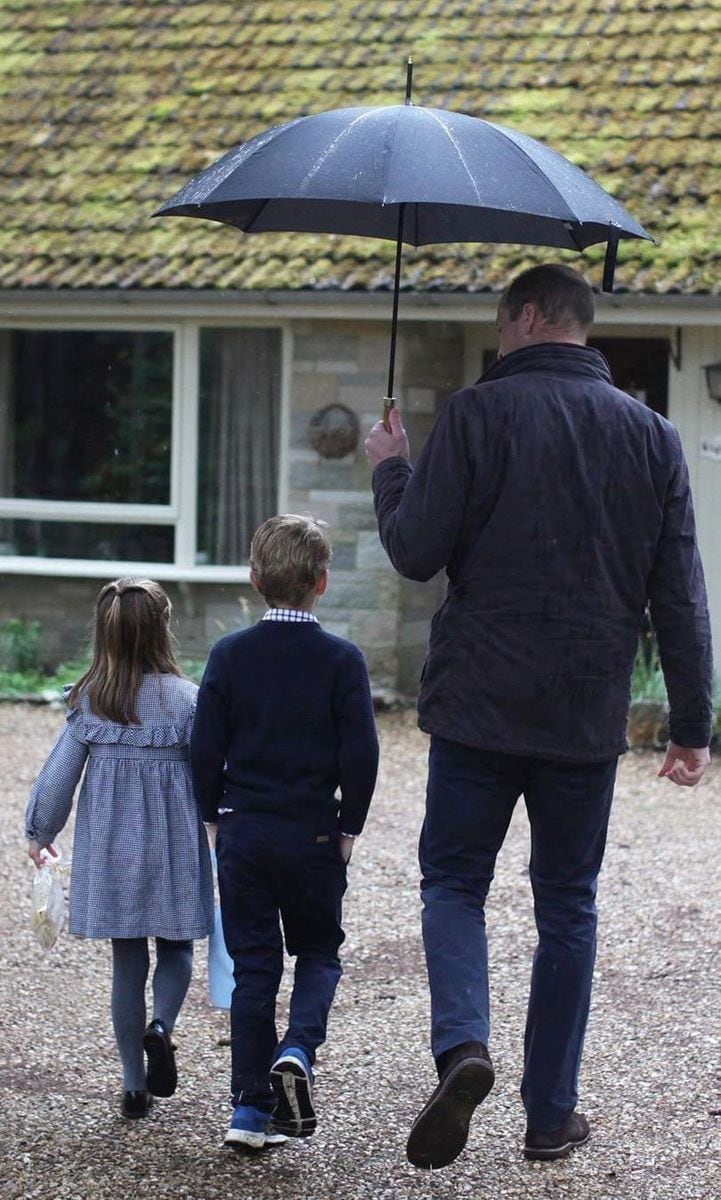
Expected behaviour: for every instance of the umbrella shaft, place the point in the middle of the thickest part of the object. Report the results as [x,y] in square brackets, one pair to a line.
[396,291]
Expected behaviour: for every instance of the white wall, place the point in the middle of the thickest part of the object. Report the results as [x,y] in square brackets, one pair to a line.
[698,420]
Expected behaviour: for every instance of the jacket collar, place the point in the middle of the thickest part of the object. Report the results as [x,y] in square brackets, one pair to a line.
[555,358]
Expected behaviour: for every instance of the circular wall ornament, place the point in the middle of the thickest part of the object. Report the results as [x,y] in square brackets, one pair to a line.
[333,431]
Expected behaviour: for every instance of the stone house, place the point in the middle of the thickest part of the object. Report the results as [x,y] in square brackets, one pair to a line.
[163,382]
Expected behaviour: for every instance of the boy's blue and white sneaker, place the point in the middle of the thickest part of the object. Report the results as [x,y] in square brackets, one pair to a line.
[252,1129]
[291,1079]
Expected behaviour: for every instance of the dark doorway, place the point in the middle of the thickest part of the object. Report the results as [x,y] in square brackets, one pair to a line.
[638,366]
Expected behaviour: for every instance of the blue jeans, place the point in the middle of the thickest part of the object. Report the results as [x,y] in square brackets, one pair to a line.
[470,800]
[274,871]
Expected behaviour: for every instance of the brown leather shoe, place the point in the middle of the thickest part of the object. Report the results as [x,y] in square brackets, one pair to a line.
[559,1142]
[440,1131]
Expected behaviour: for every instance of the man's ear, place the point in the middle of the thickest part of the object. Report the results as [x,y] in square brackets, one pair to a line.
[322,584]
[530,317]
[254,580]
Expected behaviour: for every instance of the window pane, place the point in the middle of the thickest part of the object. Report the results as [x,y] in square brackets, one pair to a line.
[85,415]
[75,539]
[238,439]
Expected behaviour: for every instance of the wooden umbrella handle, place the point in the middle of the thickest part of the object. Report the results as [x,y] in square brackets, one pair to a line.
[388,404]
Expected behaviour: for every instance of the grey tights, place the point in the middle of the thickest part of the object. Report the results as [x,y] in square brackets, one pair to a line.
[171,978]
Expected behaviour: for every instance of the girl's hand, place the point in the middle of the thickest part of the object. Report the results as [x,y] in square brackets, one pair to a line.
[36,852]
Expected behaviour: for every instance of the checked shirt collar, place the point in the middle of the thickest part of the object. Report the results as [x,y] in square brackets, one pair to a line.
[294,615]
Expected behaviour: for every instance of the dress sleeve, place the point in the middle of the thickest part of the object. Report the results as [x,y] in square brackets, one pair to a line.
[51,798]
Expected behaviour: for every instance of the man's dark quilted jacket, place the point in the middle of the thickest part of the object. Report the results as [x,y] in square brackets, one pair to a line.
[559,507]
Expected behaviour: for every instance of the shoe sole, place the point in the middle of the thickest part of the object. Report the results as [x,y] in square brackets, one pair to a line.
[440,1131]
[556,1152]
[294,1114]
[244,1139]
[162,1075]
[276,1138]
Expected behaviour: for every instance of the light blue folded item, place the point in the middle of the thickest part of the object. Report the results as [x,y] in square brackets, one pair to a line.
[220,964]
[220,967]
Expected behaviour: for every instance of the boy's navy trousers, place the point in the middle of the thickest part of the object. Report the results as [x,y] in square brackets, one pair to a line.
[275,871]
[470,799]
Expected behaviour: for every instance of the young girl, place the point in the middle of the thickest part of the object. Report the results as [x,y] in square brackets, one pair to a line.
[141,866]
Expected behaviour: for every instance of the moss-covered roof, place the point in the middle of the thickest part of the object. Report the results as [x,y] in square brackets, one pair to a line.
[107,108]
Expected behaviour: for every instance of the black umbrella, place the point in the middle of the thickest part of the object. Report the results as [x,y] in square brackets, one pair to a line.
[411,174]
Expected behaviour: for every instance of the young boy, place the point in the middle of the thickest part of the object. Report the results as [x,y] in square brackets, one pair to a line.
[284,720]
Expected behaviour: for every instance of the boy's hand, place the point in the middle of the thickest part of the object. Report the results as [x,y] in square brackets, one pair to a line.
[37,852]
[345,845]
[684,765]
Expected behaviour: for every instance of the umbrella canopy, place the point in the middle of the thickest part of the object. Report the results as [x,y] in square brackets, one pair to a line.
[459,179]
[412,174]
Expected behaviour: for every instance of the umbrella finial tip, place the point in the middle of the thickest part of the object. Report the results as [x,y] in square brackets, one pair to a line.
[409,78]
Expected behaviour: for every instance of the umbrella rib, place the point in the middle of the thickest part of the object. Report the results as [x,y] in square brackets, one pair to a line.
[416,208]
[499,132]
[333,146]
[248,227]
[458,151]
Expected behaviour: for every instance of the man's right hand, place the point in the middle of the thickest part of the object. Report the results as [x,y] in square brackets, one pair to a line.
[383,443]
[684,765]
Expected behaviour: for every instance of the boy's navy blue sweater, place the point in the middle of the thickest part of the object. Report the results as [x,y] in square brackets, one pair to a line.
[284,719]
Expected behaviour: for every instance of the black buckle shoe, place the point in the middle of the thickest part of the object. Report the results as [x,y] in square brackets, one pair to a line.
[440,1131]
[136,1105]
[559,1142]
[162,1072]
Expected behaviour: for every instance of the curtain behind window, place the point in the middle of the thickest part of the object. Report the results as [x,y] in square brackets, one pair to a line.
[239,423]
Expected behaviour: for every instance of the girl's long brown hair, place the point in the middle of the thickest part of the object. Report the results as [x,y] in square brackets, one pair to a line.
[132,638]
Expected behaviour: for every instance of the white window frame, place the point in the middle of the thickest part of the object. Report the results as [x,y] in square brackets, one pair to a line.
[180,512]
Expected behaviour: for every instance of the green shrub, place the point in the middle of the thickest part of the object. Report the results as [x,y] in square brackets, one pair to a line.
[647,682]
[193,668]
[20,683]
[20,646]
[64,674]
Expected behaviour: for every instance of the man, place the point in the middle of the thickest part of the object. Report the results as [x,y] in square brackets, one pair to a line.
[559,507]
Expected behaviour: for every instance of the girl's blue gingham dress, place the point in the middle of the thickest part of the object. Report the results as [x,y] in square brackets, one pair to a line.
[141,865]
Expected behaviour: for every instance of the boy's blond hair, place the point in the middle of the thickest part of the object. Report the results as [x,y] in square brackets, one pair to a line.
[288,554]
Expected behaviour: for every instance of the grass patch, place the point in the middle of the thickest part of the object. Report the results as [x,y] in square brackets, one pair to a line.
[35,682]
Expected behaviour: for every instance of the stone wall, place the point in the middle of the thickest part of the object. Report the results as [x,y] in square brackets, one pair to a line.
[202,612]
[339,363]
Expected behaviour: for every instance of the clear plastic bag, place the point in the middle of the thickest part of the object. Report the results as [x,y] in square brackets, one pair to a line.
[48,906]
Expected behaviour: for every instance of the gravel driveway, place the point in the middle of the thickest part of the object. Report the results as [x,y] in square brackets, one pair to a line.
[651,1080]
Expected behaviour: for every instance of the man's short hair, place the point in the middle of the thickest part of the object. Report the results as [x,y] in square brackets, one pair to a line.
[289,553]
[561,295]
